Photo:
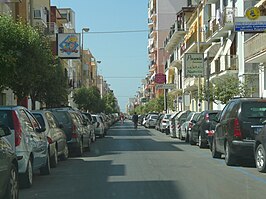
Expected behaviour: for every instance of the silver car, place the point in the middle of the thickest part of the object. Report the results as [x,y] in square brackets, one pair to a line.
[28,140]
[56,137]
[99,126]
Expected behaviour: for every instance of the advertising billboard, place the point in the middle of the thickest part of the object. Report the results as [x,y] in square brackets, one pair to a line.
[68,45]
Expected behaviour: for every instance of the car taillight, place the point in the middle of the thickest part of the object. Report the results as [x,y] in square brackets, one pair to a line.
[74,135]
[17,128]
[237,132]
[50,141]
[74,128]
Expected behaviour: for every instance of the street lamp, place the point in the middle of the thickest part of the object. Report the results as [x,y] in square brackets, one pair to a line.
[82,40]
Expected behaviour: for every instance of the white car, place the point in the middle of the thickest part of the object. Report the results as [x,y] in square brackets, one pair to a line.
[151,120]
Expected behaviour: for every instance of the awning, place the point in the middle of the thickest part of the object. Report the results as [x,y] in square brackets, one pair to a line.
[213,49]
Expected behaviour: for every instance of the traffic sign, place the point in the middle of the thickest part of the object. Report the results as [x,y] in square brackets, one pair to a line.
[165,86]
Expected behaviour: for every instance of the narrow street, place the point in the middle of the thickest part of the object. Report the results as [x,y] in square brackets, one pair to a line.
[146,164]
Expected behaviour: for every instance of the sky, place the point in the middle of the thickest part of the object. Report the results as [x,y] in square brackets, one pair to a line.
[123,56]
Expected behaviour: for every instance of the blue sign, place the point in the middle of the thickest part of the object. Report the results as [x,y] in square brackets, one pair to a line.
[244,25]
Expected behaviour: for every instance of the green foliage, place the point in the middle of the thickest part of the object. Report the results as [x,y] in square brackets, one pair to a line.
[54,90]
[27,64]
[154,105]
[225,89]
[89,99]
[109,101]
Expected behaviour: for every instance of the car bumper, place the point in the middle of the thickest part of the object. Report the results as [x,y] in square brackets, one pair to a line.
[243,148]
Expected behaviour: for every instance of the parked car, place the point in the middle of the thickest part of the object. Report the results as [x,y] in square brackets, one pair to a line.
[29,142]
[239,123]
[260,149]
[99,125]
[77,138]
[56,136]
[179,120]
[151,120]
[172,128]
[87,117]
[158,122]
[200,130]
[187,125]
[164,124]
[9,188]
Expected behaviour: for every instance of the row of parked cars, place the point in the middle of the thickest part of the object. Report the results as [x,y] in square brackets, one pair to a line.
[36,140]
[238,132]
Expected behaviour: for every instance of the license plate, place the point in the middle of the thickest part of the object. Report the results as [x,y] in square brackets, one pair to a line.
[256,129]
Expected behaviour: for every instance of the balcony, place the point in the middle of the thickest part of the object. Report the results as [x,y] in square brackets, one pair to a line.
[219,27]
[191,84]
[224,66]
[153,32]
[39,18]
[175,35]
[51,30]
[255,49]
[211,1]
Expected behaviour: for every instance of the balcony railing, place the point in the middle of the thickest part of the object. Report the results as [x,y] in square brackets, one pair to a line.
[231,62]
[255,45]
[221,23]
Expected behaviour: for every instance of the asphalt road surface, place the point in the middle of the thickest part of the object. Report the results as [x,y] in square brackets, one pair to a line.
[146,164]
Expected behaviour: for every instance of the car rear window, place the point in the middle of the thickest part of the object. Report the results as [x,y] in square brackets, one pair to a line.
[61,116]
[6,118]
[212,116]
[254,109]
[40,119]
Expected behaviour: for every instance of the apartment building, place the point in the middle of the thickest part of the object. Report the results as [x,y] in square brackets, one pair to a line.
[161,14]
[51,21]
[207,27]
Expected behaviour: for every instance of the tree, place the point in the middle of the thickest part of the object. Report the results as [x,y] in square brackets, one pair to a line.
[89,99]
[109,101]
[55,89]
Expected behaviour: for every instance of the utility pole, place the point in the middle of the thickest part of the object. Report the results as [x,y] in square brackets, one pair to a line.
[198,49]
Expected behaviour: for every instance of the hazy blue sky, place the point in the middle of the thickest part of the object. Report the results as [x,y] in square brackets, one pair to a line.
[121,54]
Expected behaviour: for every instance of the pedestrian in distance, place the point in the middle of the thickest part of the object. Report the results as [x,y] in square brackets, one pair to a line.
[135,120]
[122,118]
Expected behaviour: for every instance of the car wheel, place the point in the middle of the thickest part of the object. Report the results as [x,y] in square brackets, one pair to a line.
[12,187]
[54,159]
[215,153]
[80,149]
[25,179]
[65,154]
[229,158]
[93,138]
[260,158]
[191,141]
[46,170]
[201,144]
[187,137]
